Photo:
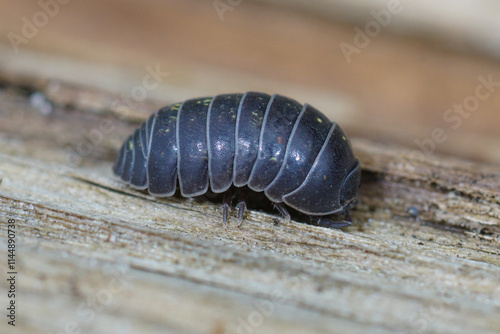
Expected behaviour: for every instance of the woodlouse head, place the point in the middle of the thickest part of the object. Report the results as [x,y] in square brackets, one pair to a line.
[350,187]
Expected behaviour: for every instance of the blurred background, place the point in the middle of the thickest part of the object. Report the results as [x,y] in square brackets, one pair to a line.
[423,74]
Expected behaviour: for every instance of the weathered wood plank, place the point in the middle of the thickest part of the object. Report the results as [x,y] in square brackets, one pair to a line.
[382,277]
[109,297]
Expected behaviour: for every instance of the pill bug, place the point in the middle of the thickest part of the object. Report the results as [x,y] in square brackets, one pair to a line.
[253,141]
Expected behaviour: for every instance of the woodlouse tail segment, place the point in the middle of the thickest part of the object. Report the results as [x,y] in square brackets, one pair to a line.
[321,221]
[118,165]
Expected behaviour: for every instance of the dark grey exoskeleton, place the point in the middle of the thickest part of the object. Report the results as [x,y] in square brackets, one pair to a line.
[272,144]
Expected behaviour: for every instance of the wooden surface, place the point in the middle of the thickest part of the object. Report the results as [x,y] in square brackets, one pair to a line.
[95,256]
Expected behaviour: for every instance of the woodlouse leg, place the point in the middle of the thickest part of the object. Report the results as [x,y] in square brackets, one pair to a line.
[226,205]
[281,208]
[320,221]
[241,206]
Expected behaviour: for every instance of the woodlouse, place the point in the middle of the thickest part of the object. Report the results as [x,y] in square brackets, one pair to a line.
[272,144]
